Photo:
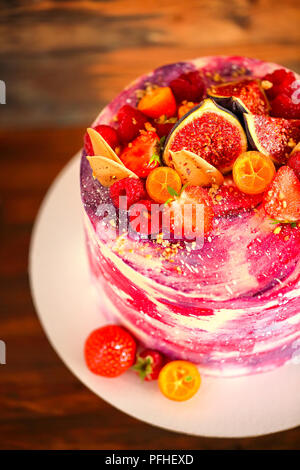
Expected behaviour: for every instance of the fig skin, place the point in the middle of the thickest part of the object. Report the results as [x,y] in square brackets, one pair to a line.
[235,103]
[277,149]
[206,106]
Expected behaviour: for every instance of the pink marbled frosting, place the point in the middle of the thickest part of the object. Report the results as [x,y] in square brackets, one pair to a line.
[233,307]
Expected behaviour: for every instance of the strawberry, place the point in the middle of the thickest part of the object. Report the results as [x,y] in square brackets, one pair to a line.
[109,351]
[282,198]
[142,154]
[163,125]
[132,188]
[109,135]
[130,122]
[229,200]
[188,86]
[149,364]
[294,160]
[183,214]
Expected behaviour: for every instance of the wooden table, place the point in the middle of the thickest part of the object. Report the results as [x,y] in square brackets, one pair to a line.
[61,63]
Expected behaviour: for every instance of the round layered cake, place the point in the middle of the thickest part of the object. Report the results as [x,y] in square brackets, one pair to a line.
[231,305]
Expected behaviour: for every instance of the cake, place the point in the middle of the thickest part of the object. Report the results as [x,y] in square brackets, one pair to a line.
[230,305]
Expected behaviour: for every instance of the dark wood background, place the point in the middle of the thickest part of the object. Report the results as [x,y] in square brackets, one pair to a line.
[62,61]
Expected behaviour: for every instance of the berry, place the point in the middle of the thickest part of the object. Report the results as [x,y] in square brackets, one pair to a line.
[109,135]
[283,106]
[139,155]
[132,188]
[180,225]
[188,86]
[109,351]
[282,198]
[281,79]
[131,121]
[163,125]
[229,200]
[149,364]
[294,160]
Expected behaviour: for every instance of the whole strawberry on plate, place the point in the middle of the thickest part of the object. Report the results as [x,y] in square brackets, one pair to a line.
[149,364]
[109,351]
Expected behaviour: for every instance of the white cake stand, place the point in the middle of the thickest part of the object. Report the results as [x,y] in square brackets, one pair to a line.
[66,305]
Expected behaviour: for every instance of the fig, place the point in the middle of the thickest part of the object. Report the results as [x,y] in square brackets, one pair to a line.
[209,131]
[243,96]
[274,137]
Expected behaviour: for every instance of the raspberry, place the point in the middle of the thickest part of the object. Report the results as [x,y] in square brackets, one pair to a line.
[131,121]
[281,79]
[283,106]
[132,188]
[188,86]
[109,135]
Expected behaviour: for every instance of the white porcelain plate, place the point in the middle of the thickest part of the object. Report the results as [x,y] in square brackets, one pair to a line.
[65,302]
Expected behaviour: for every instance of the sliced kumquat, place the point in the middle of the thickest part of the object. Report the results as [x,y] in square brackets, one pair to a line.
[159,181]
[252,172]
[179,380]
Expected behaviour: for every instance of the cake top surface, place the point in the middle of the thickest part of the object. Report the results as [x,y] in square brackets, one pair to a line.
[249,250]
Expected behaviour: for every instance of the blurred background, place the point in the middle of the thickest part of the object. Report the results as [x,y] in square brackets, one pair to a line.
[62,61]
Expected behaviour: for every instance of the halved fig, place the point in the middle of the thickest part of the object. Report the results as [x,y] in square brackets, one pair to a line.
[194,170]
[274,137]
[242,96]
[211,132]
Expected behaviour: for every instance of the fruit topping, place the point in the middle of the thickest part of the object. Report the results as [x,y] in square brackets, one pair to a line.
[282,199]
[211,132]
[107,171]
[109,351]
[133,189]
[159,181]
[149,364]
[243,96]
[130,122]
[101,147]
[139,154]
[294,160]
[109,135]
[252,172]
[280,80]
[179,380]
[194,170]
[186,220]
[274,137]
[185,107]
[158,102]
[284,107]
[164,125]
[188,86]
[229,200]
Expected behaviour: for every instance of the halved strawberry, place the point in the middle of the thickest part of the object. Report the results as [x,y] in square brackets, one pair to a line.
[229,200]
[185,220]
[294,160]
[284,107]
[142,154]
[281,80]
[131,121]
[282,198]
